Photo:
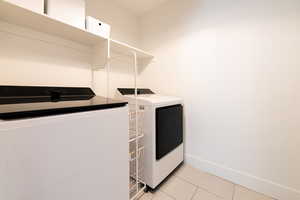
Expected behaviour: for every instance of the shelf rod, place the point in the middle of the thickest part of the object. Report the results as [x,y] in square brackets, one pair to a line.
[139,192]
[136,138]
[136,120]
[108,70]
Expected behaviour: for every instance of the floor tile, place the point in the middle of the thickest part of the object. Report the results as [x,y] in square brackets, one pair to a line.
[189,173]
[158,195]
[242,193]
[213,184]
[178,188]
[204,195]
[161,196]
[146,196]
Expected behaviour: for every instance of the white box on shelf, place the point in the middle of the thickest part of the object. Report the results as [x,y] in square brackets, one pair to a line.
[69,11]
[34,5]
[97,27]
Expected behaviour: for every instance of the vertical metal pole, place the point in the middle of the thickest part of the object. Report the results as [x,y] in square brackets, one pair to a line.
[108,69]
[136,123]
[93,79]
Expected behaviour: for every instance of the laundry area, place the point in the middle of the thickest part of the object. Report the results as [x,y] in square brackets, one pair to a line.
[149,100]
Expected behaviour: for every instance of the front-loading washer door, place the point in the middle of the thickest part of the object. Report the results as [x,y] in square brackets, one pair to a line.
[169,129]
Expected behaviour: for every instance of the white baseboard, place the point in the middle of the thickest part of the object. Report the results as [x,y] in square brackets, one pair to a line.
[261,185]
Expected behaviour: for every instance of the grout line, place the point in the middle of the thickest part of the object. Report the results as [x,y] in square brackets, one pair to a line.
[200,187]
[210,174]
[234,188]
[195,193]
[167,194]
[236,185]
[152,196]
[140,197]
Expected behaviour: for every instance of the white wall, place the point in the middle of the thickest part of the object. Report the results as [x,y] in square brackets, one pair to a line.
[28,57]
[31,58]
[236,65]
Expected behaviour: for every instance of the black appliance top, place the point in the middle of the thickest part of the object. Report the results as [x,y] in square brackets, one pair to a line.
[33,101]
[131,91]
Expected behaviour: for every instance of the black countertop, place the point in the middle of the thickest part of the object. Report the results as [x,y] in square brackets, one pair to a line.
[36,101]
[39,109]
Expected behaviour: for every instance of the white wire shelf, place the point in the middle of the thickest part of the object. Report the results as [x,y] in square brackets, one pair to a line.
[132,154]
[133,133]
[126,50]
[136,153]
[136,189]
[133,137]
[132,119]
[133,114]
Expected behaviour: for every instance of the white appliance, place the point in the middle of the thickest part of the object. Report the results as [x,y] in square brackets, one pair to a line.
[162,125]
[97,27]
[76,153]
[34,5]
[69,11]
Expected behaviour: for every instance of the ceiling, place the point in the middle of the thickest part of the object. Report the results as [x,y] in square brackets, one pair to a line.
[139,7]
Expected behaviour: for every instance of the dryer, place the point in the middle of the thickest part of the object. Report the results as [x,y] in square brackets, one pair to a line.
[162,124]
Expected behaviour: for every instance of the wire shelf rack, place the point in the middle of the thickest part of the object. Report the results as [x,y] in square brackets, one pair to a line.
[136,152]
[134,118]
[136,187]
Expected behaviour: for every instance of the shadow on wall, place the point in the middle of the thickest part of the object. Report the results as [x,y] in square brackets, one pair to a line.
[37,48]
[121,74]
[32,58]
[235,64]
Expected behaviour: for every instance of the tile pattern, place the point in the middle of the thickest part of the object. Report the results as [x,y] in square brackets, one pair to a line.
[204,195]
[178,188]
[188,183]
[242,193]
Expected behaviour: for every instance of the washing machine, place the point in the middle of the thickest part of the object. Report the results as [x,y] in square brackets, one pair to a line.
[162,125]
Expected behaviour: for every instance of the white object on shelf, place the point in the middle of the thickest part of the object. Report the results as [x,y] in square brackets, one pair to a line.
[13,14]
[97,27]
[24,17]
[41,22]
[69,11]
[34,5]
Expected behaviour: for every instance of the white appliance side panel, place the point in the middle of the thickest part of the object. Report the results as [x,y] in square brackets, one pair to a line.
[75,156]
[34,5]
[167,164]
[157,171]
[68,11]
[149,143]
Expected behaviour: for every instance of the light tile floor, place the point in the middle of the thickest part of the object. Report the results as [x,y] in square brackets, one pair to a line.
[188,183]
